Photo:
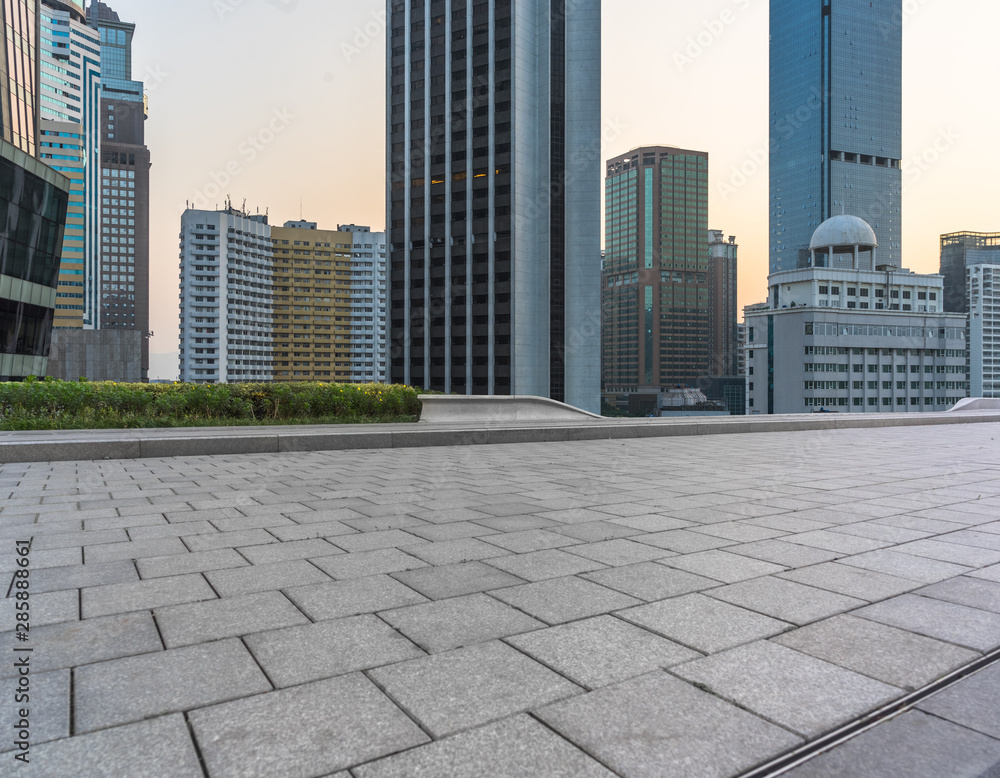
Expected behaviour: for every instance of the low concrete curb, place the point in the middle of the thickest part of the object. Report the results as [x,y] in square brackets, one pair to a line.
[156,444]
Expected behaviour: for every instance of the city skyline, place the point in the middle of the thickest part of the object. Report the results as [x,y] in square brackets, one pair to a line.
[250,133]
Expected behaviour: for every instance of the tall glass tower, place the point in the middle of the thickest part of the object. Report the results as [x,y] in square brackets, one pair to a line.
[494,112]
[836,122]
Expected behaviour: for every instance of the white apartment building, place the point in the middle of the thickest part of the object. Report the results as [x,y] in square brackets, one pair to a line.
[984,330]
[226,319]
[369,356]
[852,336]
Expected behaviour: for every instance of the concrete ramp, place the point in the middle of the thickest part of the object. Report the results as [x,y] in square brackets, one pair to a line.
[497,409]
[976,404]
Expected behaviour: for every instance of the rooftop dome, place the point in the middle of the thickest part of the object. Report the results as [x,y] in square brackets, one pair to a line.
[843,231]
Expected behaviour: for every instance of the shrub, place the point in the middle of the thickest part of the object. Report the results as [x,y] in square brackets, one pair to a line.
[50,404]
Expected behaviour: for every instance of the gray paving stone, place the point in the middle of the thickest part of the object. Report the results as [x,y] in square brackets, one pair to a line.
[459,621]
[985,540]
[53,579]
[466,687]
[79,538]
[559,600]
[541,565]
[957,624]
[336,599]
[596,531]
[111,552]
[619,552]
[364,563]
[723,566]
[372,541]
[144,595]
[654,726]
[312,652]
[601,651]
[45,609]
[969,556]
[851,581]
[171,530]
[515,523]
[974,592]
[868,529]
[651,581]
[193,562]
[76,643]
[894,656]
[200,622]
[513,748]
[449,552]
[266,577]
[837,541]
[914,745]
[905,566]
[787,554]
[48,710]
[165,746]
[324,529]
[652,522]
[326,726]
[170,682]
[785,600]
[800,692]
[246,537]
[789,522]
[703,623]
[57,557]
[285,552]
[970,703]
[684,541]
[437,583]
[531,540]
[988,573]
[451,531]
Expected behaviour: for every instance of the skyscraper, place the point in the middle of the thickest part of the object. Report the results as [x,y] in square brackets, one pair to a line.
[836,122]
[227,267]
[656,330]
[70,143]
[124,168]
[959,252]
[722,303]
[494,204]
[19,73]
[33,201]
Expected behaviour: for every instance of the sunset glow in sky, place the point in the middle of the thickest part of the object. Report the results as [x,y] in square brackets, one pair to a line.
[281,102]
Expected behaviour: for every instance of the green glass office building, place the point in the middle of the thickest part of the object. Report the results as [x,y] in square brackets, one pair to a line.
[655,322]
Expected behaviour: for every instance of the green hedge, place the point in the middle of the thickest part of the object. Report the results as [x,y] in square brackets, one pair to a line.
[50,404]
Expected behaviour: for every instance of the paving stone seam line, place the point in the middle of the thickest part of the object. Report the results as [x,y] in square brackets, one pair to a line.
[808,751]
[561,736]
[406,711]
[197,746]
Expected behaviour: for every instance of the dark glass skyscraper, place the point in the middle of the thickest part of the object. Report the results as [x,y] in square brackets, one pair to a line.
[836,122]
[493,210]
[125,163]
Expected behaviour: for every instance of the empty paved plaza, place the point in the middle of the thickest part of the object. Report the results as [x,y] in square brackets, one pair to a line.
[663,607]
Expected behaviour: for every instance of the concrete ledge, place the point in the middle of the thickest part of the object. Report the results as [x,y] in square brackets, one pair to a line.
[89,445]
[976,404]
[493,409]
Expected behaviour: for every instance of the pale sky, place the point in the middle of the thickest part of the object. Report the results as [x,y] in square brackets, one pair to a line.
[289,95]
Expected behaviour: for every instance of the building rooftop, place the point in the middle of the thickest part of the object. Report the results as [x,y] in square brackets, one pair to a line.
[547,609]
[843,230]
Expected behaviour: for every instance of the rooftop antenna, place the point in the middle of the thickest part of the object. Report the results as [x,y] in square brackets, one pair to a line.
[300,208]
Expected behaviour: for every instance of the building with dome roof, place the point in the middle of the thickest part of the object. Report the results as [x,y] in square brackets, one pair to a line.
[850,334]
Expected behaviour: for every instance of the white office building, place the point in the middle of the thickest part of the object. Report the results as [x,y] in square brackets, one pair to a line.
[226,317]
[984,330]
[850,335]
